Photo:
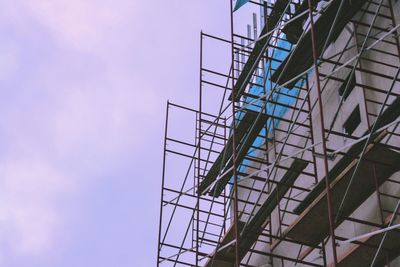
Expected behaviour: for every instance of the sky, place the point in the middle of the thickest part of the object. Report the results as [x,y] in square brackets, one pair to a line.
[83,91]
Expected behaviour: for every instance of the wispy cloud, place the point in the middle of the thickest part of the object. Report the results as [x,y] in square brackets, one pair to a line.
[30,189]
[82,100]
[70,118]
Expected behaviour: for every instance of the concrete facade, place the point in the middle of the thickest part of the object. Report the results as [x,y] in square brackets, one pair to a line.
[383,58]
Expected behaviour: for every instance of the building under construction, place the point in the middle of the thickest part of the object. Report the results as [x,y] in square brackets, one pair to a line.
[294,153]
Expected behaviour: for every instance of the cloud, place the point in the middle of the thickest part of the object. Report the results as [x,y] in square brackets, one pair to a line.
[103,121]
[85,88]
[84,25]
[58,143]
[9,54]
[29,191]
[73,113]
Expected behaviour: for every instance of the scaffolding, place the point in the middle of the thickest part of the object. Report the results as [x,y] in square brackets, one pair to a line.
[293,153]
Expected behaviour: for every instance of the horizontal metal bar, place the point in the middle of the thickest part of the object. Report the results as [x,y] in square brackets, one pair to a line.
[370,234]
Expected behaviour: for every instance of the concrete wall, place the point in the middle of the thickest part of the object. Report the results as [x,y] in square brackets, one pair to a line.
[372,62]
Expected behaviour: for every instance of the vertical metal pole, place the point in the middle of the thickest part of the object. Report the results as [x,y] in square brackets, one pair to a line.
[226,203]
[199,150]
[321,115]
[162,186]
[312,133]
[235,186]
[193,230]
[279,214]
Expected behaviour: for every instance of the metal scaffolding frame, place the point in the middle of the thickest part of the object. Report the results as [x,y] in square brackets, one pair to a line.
[237,199]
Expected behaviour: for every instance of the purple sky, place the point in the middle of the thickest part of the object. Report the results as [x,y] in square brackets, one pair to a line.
[83,91]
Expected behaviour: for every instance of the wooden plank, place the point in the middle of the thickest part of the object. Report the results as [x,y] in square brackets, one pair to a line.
[251,231]
[254,228]
[341,166]
[225,257]
[390,114]
[244,147]
[242,129]
[312,226]
[300,59]
[259,48]
[362,254]
[294,29]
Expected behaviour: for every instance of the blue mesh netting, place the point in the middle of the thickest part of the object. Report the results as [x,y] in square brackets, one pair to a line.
[264,85]
[239,4]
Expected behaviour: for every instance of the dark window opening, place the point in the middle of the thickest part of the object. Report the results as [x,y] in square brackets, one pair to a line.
[352,121]
[351,79]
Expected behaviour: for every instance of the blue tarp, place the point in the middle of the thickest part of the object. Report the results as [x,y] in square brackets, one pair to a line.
[239,4]
[264,86]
